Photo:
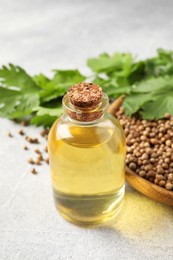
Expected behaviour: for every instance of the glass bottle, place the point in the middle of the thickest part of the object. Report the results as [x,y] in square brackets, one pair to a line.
[87,158]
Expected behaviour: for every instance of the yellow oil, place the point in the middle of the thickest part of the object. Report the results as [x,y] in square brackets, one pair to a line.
[87,169]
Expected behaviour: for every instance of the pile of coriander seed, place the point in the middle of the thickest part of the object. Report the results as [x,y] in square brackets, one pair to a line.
[149,148]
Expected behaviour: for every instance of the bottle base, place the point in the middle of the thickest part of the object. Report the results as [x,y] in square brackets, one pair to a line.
[89,210]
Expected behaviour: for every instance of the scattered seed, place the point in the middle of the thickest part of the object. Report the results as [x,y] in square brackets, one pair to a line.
[10,134]
[37,162]
[24,123]
[33,171]
[47,160]
[44,132]
[25,147]
[46,149]
[21,132]
[32,140]
[40,157]
[31,161]
[28,139]
[37,151]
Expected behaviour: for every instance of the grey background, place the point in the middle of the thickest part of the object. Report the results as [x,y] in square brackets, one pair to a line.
[43,35]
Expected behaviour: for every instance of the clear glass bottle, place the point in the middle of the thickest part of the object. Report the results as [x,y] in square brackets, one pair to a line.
[87,161]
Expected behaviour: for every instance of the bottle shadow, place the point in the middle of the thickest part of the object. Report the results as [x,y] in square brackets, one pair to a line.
[140,216]
[142,230]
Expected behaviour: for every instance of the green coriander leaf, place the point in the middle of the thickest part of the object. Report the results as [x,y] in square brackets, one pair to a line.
[152,85]
[18,92]
[160,65]
[111,87]
[165,56]
[58,85]
[45,120]
[63,79]
[135,101]
[145,84]
[17,104]
[46,116]
[107,64]
[146,95]
[64,76]
[15,76]
[157,109]
[49,111]
[48,89]
[41,80]
[137,72]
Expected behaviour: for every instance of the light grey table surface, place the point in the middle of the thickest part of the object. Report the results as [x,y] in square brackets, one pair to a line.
[43,35]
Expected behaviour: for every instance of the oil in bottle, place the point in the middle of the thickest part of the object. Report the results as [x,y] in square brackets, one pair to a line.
[87,158]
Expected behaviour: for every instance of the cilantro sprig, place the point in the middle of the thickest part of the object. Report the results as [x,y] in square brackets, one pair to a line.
[146,84]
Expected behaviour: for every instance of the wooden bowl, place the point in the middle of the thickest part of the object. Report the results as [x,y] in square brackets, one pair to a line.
[140,184]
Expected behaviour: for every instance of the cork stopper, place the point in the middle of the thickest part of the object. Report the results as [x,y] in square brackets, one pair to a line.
[85,95]
[85,102]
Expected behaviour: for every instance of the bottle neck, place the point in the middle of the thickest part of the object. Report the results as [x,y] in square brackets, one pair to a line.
[85,114]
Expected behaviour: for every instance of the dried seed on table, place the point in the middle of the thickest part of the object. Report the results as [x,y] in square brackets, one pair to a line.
[35,140]
[33,171]
[10,134]
[37,162]
[25,147]
[43,132]
[46,149]
[24,123]
[40,157]
[21,132]
[32,140]
[28,139]
[37,151]
[47,160]
[31,161]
